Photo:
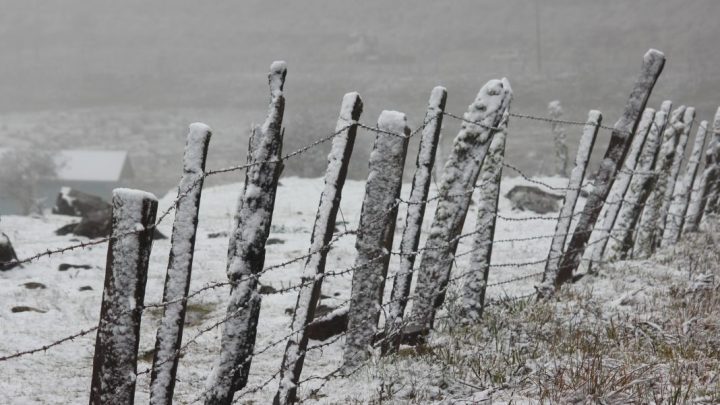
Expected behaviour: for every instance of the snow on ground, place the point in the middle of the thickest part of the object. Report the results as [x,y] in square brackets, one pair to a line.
[70,300]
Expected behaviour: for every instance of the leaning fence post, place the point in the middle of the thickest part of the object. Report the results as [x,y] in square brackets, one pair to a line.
[481,121]
[118,336]
[375,238]
[619,188]
[177,278]
[713,197]
[702,185]
[639,190]
[648,232]
[587,142]
[681,195]
[688,118]
[622,134]
[247,253]
[473,293]
[309,294]
[414,218]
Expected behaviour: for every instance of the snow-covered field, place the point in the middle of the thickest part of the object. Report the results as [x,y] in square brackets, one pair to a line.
[69,301]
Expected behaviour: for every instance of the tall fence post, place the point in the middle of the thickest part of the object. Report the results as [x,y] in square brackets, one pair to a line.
[703,184]
[683,189]
[622,134]
[688,118]
[414,218]
[118,336]
[179,271]
[713,198]
[562,228]
[601,236]
[309,294]
[473,293]
[247,251]
[375,238]
[639,190]
[481,122]
[648,233]
[555,111]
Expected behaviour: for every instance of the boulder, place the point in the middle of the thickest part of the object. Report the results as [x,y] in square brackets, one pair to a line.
[531,198]
[77,203]
[329,324]
[7,253]
[96,224]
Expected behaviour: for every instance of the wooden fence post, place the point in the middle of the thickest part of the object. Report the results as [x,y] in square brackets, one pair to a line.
[688,118]
[703,184]
[482,120]
[247,252]
[620,185]
[683,189]
[309,294]
[473,293]
[118,336]
[622,134]
[375,238]
[555,111]
[414,218]
[648,234]
[587,142]
[712,205]
[177,278]
[639,190]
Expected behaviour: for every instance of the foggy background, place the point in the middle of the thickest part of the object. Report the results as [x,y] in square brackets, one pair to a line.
[132,75]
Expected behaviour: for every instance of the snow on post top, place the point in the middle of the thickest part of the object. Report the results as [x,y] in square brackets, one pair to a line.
[132,195]
[393,121]
[276,77]
[350,101]
[198,136]
[689,116]
[128,206]
[594,116]
[666,106]
[437,94]
[493,97]
[716,123]
[653,54]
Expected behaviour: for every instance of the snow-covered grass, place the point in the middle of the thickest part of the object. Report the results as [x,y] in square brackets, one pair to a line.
[644,329]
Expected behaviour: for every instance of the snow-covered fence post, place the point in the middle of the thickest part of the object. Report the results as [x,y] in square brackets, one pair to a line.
[620,140]
[482,121]
[375,238]
[713,194]
[702,185]
[678,157]
[555,111]
[683,189]
[648,233]
[118,336]
[246,256]
[619,188]
[587,142]
[414,218]
[309,294]
[177,278]
[641,185]
[473,293]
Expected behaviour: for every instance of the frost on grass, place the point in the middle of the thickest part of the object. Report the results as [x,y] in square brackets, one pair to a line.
[577,175]
[374,241]
[177,280]
[482,119]
[415,212]
[309,294]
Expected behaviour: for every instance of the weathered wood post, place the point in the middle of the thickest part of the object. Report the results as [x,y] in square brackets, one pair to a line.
[641,185]
[473,293]
[678,157]
[653,64]
[712,202]
[555,111]
[648,233]
[681,195]
[118,336]
[703,184]
[414,218]
[562,228]
[619,189]
[309,294]
[482,120]
[179,271]
[375,239]
[247,251]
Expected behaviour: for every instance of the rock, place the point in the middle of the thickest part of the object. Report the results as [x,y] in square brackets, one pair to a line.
[333,322]
[96,224]
[77,203]
[66,229]
[274,241]
[34,286]
[220,234]
[68,266]
[85,288]
[23,308]
[7,253]
[267,290]
[532,198]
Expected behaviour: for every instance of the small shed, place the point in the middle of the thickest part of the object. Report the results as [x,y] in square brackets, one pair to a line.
[95,172]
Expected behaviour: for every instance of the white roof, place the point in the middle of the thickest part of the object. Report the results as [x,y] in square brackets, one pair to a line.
[89,165]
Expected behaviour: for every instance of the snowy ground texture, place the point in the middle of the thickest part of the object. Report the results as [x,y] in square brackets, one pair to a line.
[642,331]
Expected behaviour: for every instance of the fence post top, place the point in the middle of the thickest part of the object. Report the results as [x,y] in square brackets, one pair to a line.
[132,195]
